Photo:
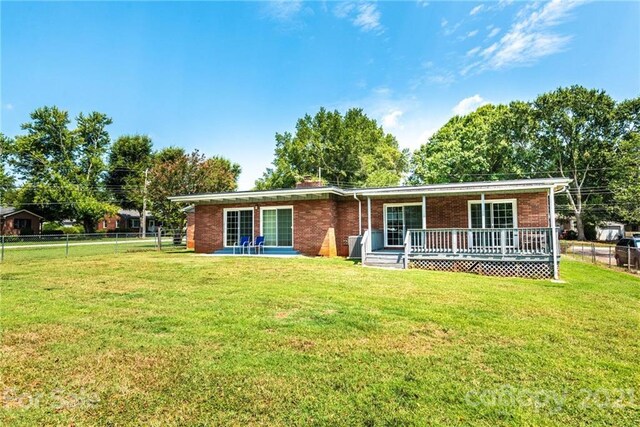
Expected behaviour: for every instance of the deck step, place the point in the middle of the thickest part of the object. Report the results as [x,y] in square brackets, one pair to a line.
[388,260]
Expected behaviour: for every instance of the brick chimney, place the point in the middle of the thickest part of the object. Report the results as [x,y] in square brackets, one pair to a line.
[309,182]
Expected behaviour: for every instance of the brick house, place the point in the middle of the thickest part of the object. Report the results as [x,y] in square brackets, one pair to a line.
[498,227]
[126,220]
[15,221]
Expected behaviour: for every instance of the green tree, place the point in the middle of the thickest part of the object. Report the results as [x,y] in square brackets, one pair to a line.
[130,156]
[62,169]
[625,176]
[576,137]
[478,146]
[7,181]
[174,174]
[349,150]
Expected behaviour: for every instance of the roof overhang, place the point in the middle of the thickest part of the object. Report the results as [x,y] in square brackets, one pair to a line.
[20,211]
[502,187]
[284,195]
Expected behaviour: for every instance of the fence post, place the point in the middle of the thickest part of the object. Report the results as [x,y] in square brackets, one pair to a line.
[159,238]
[593,253]
[609,256]
[66,249]
[629,258]
[2,250]
[115,249]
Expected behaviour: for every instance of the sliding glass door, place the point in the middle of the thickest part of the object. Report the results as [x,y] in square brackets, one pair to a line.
[399,219]
[277,226]
[238,223]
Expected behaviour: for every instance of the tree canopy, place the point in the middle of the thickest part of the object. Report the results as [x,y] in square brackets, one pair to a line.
[61,169]
[174,173]
[349,150]
[129,157]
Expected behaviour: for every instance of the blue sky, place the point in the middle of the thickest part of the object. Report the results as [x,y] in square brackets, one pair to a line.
[225,77]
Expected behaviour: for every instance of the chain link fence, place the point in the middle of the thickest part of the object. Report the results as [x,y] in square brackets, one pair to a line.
[622,258]
[29,247]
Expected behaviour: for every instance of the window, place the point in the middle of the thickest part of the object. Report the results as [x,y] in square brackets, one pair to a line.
[238,224]
[104,224]
[21,223]
[134,223]
[117,223]
[277,226]
[498,214]
[399,219]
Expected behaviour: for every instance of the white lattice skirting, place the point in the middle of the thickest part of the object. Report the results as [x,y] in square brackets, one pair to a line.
[529,269]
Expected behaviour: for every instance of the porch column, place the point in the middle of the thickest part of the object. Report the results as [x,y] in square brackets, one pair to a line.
[484,219]
[554,235]
[424,212]
[369,216]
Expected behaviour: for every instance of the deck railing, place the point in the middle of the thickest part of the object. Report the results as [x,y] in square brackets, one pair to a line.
[505,241]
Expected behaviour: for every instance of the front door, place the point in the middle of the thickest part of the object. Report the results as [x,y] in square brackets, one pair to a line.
[399,219]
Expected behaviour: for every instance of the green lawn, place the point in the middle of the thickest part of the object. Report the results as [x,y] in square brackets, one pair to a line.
[172,338]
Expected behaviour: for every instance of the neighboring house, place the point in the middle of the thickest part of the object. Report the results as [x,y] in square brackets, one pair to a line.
[126,220]
[498,228]
[610,231]
[14,221]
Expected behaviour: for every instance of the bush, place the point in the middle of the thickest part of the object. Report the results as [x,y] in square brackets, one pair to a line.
[56,232]
[72,230]
[26,231]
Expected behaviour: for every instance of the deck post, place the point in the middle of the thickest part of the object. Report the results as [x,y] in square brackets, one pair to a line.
[369,215]
[484,219]
[424,212]
[454,241]
[554,235]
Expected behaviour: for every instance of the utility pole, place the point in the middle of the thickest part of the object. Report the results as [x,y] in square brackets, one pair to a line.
[143,225]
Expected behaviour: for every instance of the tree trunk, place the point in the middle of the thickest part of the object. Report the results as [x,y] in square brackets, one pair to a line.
[580,226]
[89,225]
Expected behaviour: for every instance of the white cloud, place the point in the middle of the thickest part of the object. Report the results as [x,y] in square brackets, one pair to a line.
[390,120]
[443,22]
[473,51]
[476,10]
[283,10]
[530,37]
[422,3]
[471,34]
[468,105]
[365,16]
[8,107]
[494,32]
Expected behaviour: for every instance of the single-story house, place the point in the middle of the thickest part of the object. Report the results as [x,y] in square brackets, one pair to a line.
[14,221]
[497,228]
[126,220]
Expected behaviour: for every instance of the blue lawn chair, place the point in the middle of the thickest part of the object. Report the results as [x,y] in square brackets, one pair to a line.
[245,242]
[258,244]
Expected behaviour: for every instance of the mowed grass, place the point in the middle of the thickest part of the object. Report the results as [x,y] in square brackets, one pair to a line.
[172,338]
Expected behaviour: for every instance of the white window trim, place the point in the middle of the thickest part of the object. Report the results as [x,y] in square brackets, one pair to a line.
[514,203]
[224,223]
[384,211]
[132,223]
[117,223]
[265,208]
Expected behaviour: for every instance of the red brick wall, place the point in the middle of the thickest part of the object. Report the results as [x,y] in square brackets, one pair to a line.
[311,219]
[7,226]
[111,223]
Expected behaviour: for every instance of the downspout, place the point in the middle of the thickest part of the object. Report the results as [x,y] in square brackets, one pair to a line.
[554,234]
[355,196]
